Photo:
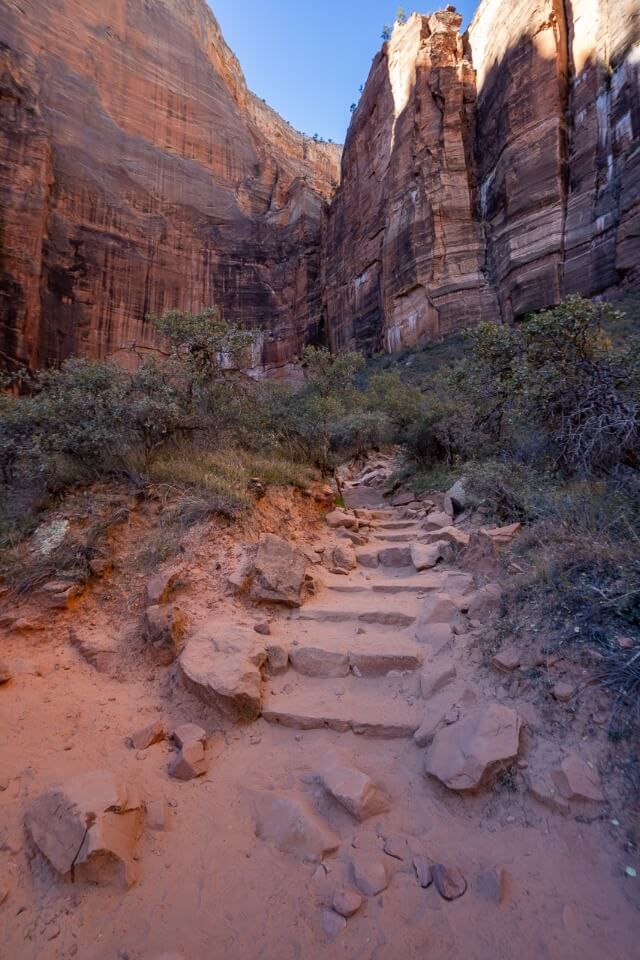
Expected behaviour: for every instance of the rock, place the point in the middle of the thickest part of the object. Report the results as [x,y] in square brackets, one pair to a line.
[88,827]
[353,790]
[563,692]
[544,790]
[453,701]
[402,499]
[188,733]
[397,848]
[332,923]
[191,762]
[455,538]
[368,558]
[156,811]
[481,555]
[49,536]
[317,662]
[458,496]
[467,754]
[288,821]
[100,567]
[437,608]
[163,628]
[276,574]
[449,881]
[437,520]
[346,902]
[338,518]
[223,671]
[491,885]
[161,586]
[153,733]
[277,658]
[395,556]
[435,676]
[486,603]
[263,628]
[343,558]
[422,868]
[576,780]
[507,660]
[434,636]
[426,556]
[59,594]
[369,874]
[5,673]
[501,536]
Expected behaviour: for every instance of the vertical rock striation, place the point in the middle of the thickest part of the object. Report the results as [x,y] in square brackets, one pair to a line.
[404,253]
[489,175]
[138,173]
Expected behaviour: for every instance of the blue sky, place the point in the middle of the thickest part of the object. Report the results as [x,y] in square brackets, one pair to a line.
[307,58]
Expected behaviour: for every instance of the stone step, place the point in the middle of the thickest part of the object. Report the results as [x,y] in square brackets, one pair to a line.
[376,709]
[399,525]
[364,656]
[365,606]
[395,537]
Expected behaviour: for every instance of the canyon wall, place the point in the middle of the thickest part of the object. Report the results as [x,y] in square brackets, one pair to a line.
[487,175]
[137,174]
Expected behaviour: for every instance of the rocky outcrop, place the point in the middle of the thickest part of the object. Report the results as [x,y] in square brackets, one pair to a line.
[137,174]
[404,250]
[488,175]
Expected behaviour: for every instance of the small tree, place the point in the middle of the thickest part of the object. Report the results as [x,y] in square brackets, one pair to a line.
[401,16]
[386,33]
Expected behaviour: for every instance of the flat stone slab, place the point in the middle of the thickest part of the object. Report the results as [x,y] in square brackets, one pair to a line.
[314,705]
[288,821]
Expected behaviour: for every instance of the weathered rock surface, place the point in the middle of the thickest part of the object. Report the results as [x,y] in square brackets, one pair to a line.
[465,755]
[488,174]
[353,790]
[276,572]
[221,665]
[139,174]
[88,827]
[288,821]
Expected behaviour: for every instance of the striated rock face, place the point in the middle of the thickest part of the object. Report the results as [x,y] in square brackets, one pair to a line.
[488,175]
[404,253]
[137,173]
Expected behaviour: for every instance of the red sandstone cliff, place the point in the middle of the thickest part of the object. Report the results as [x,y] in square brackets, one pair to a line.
[138,173]
[488,175]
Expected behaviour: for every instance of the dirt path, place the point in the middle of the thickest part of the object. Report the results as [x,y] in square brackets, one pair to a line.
[373,655]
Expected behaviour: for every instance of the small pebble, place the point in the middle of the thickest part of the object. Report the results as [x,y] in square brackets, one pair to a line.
[631,872]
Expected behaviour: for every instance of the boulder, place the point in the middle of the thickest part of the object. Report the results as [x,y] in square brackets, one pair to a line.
[437,520]
[507,660]
[437,608]
[188,733]
[153,733]
[449,882]
[353,790]
[576,780]
[88,827]
[276,573]
[456,538]
[458,497]
[369,874]
[288,821]
[436,675]
[501,536]
[343,558]
[486,602]
[426,556]
[466,754]
[338,518]
[481,554]
[190,762]
[346,902]
[221,666]
[318,662]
